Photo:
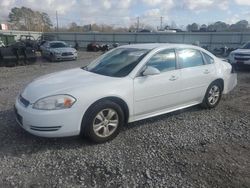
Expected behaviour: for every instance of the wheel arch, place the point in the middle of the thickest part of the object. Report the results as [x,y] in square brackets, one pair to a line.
[221,82]
[116,100]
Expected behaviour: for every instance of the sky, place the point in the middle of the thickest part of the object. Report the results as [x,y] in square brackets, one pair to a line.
[122,13]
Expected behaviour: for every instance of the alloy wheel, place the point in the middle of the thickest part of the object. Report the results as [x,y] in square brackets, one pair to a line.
[105,123]
[214,95]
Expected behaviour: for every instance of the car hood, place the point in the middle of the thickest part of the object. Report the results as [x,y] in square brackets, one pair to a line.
[242,51]
[62,83]
[61,50]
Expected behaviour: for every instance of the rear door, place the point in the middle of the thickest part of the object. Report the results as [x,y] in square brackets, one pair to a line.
[196,74]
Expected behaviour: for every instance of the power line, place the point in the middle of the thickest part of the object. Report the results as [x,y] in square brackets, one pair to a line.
[56,22]
[138,23]
[161,22]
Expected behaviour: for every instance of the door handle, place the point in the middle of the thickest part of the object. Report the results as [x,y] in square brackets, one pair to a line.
[173,78]
[206,71]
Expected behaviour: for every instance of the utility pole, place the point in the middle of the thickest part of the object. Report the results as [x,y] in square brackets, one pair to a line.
[161,22]
[56,22]
[138,23]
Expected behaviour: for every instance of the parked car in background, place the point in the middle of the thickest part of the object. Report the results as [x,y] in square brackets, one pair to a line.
[95,47]
[28,41]
[127,84]
[2,44]
[17,53]
[240,56]
[145,31]
[58,51]
[40,43]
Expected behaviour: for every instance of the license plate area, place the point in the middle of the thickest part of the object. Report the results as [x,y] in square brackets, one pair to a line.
[240,62]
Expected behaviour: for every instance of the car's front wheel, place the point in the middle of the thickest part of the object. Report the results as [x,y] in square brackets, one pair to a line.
[102,122]
[213,95]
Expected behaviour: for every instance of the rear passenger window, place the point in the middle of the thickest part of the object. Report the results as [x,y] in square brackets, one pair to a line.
[163,61]
[208,59]
[190,58]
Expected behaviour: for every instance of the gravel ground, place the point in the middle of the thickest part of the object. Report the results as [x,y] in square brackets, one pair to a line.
[187,148]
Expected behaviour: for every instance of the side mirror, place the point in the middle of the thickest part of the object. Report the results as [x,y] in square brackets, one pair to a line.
[150,71]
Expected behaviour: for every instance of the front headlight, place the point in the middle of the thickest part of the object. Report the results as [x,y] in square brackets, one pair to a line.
[57,53]
[56,102]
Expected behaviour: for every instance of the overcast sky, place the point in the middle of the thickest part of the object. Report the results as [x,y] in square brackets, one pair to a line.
[124,12]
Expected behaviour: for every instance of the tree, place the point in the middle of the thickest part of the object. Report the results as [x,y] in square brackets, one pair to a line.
[173,25]
[74,27]
[133,27]
[193,27]
[240,26]
[47,24]
[203,28]
[218,26]
[26,19]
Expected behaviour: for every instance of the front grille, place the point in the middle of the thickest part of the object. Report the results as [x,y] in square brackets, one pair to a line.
[45,129]
[242,55]
[241,59]
[67,54]
[24,101]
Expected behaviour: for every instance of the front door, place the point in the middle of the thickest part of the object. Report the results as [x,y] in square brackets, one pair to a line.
[158,92]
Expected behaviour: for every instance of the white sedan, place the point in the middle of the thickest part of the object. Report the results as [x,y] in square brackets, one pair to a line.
[127,84]
[57,51]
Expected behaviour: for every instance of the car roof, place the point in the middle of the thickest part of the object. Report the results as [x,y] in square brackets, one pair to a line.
[56,42]
[151,46]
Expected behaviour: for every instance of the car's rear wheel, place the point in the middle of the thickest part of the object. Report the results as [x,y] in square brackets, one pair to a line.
[102,122]
[213,95]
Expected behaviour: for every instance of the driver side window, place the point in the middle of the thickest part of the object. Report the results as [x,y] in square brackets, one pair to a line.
[164,61]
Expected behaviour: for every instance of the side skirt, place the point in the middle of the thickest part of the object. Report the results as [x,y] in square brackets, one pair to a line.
[164,111]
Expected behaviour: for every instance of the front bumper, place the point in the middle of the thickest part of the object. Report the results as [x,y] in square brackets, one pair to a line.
[68,57]
[56,123]
[239,61]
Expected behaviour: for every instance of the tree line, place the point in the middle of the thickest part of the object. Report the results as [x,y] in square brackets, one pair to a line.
[240,26]
[26,19]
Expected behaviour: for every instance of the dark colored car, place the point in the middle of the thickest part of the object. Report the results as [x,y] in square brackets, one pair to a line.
[18,53]
[95,47]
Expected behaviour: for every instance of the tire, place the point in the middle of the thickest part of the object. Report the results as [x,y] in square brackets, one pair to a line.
[102,122]
[51,58]
[213,96]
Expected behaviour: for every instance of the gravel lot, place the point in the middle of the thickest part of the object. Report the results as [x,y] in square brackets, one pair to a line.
[188,148]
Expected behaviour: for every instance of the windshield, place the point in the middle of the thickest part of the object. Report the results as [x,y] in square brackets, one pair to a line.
[246,46]
[118,63]
[58,45]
